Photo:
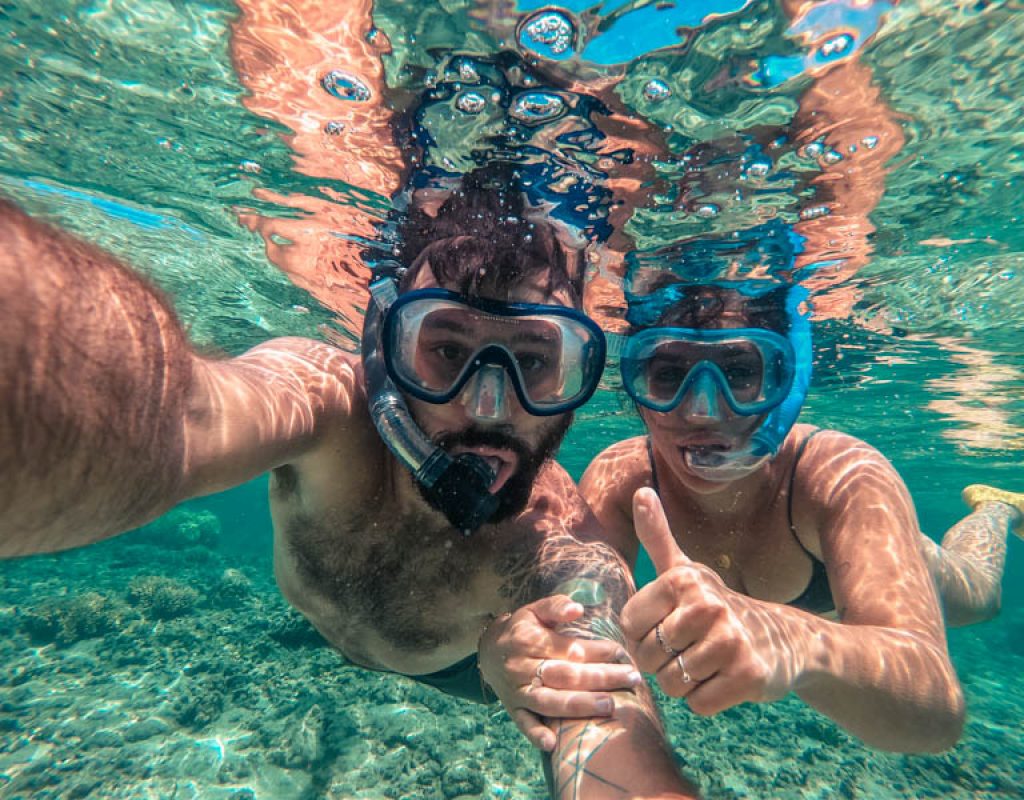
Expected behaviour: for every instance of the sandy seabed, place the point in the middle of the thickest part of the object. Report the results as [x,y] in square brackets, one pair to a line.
[163,665]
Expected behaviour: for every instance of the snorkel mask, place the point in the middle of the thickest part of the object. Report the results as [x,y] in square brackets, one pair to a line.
[753,370]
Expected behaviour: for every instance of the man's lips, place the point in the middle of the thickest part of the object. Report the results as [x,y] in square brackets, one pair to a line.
[503,462]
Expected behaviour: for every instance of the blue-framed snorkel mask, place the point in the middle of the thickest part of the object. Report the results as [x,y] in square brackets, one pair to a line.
[753,371]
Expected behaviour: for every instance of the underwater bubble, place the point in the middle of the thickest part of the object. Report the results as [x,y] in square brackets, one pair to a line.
[814,212]
[870,142]
[836,46]
[832,157]
[707,211]
[814,150]
[250,166]
[759,167]
[657,90]
[533,108]
[333,128]
[470,102]
[468,71]
[548,33]
[345,86]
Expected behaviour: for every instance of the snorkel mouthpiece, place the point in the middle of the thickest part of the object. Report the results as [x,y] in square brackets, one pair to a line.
[457,486]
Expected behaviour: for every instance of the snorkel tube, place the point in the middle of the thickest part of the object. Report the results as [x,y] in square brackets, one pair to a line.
[457,486]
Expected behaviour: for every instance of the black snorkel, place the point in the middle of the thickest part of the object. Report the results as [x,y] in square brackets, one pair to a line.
[458,485]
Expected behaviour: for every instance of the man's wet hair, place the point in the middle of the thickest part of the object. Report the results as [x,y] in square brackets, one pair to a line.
[701,305]
[481,243]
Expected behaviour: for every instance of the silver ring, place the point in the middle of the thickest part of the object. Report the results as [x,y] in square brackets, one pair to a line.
[682,668]
[538,676]
[661,641]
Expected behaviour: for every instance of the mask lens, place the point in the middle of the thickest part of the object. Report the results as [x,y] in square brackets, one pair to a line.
[660,365]
[553,358]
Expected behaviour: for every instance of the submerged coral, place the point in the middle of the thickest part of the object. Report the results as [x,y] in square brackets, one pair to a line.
[161,597]
[68,620]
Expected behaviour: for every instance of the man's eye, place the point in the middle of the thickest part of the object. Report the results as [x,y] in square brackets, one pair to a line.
[449,352]
[532,362]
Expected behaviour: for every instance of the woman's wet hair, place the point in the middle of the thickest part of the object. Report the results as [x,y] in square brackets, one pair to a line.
[702,305]
[481,241]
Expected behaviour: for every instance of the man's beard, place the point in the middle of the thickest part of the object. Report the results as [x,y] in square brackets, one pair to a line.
[515,494]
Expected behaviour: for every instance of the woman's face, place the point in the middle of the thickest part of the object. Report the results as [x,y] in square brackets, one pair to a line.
[703,425]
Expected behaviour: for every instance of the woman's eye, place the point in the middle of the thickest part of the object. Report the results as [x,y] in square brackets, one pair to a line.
[668,375]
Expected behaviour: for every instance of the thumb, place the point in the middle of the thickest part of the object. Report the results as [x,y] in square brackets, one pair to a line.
[654,533]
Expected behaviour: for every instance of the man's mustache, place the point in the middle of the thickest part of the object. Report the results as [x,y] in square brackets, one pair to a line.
[482,437]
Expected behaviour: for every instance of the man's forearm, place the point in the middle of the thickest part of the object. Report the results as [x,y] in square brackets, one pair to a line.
[625,755]
[95,375]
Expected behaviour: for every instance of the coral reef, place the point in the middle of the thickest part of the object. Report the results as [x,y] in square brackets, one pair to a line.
[161,597]
[68,620]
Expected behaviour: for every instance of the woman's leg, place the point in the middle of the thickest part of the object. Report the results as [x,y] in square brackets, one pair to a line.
[968,566]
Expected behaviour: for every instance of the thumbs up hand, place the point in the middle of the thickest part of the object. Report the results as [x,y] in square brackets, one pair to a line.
[703,641]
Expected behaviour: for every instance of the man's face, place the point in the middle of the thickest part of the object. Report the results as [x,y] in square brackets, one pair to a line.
[515,443]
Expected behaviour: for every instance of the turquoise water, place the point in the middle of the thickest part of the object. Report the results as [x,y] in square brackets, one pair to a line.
[199,142]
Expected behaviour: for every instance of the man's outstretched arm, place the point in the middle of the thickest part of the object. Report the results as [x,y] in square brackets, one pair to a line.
[107,416]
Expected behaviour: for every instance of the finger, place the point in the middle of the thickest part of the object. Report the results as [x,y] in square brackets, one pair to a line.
[675,677]
[590,677]
[558,704]
[678,632]
[714,695]
[539,734]
[670,602]
[556,610]
[596,651]
[654,533]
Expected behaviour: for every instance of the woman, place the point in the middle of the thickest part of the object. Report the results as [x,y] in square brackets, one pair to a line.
[787,558]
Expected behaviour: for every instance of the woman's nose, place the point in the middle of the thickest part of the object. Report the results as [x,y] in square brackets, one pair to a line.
[702,402]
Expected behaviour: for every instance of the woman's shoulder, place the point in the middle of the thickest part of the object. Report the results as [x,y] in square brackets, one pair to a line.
[618,468]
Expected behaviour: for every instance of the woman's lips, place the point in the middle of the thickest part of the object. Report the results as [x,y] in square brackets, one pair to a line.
[502,462]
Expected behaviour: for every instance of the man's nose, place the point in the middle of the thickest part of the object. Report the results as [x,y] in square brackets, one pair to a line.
[485,396]
[701,405]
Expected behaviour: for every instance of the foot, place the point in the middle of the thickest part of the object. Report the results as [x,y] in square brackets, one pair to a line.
[977,493]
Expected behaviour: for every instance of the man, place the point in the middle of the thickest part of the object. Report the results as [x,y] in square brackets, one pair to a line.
[413,494]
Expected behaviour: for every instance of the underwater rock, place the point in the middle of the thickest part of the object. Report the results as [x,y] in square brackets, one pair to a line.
[196,704]
[232,588]
[460,779]
[145,729]
[296,632]
[160,597]
[305,746]
[66,621]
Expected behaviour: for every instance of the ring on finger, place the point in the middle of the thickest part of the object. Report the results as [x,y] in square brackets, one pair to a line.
[538,676]
[686,677]
[659,634]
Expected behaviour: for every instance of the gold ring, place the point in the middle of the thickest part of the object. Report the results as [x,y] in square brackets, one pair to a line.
[659,635]
[682,668]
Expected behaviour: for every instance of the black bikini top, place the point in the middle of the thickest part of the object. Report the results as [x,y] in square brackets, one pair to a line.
[817,597]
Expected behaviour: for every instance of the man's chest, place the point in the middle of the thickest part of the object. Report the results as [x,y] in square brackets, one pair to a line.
[392,592]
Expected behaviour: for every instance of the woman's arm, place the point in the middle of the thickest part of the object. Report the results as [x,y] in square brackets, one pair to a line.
[882,672]
[107,416]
